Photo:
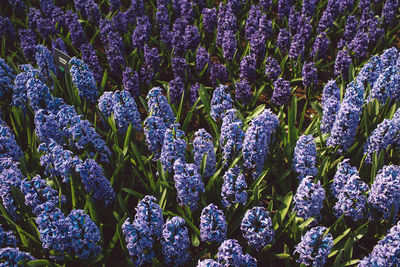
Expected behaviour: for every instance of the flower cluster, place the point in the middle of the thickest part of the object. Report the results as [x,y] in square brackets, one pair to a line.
[257,227]
[188,183]
[175,242]
[203,145]
[305,157]
[230,254]
[83,79]
[257,140]
[232,135]
[330,105]
[220,102]
[314,247]
[309,199]
[343,173]
[212,224]
[173,148]
[234,188]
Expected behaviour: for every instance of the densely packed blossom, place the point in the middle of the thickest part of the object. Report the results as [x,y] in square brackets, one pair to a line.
[309,74]
[343,173]
[314,247]
[305,157]
[234,187]
[384,195]
[257,141]
[220,102]
[309,199]
[45,61]
[386,251]
[173,148]
[330,105]
[6,78]
[13,256]
[230,254]
[352,199]
[96,184]
[342,63]
[282,92]
[158,106]
[154,130]
[232,135]
[7,238]
[83,79]
[248,68]
[188,183]
[175,242]
[257,227]
[8,144]
[387,85]
[212,224]
[149,212]
[130,81]
[203,145]
[272,68]
[10,178]
[243,91]
[138,241]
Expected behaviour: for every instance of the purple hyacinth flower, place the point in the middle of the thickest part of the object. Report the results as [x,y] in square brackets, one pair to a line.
[309,198]
[220,102]
[282,92]
[212,224]
[257,227]
[175,242]
[305,157]
[234,188]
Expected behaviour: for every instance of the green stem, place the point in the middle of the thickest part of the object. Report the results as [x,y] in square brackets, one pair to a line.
[73,193]
[92,209]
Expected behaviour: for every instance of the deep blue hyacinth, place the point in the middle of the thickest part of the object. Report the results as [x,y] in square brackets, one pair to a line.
[194,93]
[174,147]
[58,161]
[243,91]
[28,42]
[176,89]
[45,62]
[13,256]
[248,68]
[234,188]
[154,130]
[232,135]
[39,195]
[257,227]
[272,68]
[343,173]
[78,36]
[19,97]
[252,21]
[384,135]
[320,45]
[212,224]
[130,81]
[114,51]
[305,157]
[385,191]
[331,90]
[257,141]
[95,182]
[352,199]
[257,45]
[192,37]
[283,40]
[175,242]
[105,103]
[354,94]
[89,56]
[282,92]
[179,66]
[229,45]
[125,111]
[8,144]
[138,241]
[158,106]
[309,73]
[330,106]
[188,184]
[220,102]
[140,35]
[209,19]
[386,252]
[149,212]
[309,199]
[6,78]
[7,238]
[218,74]
[7,29]
[359,44]
[203,145]
[387,85]
[47,127]
[202,59]
[83,79]
[314,247]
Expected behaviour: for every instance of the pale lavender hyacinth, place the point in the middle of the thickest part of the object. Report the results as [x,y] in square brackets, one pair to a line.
[305,157]
[343,173]
[309,198]
[220,102]
[212,224]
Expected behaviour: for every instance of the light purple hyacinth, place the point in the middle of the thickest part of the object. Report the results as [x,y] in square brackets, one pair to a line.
[309,199]
[359,44]
[230,254]
[257,227]
[384,196]
[343,173]
[220,102]
[212,224]
[175,242]
[202,59]
[149,212]
[174,147]
[386,251]
[257,141]
[188,183]
[154,130]
[283,40]
[208,263]
[352,199]
[83,79]
[320,46]
[159,106]
[389,57]
[330,105]
[232,135]
[234,188]
[387,86]
[305,157]
[314,247]
[203,145]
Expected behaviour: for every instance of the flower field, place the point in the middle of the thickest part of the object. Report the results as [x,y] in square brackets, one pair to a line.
[200,133]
